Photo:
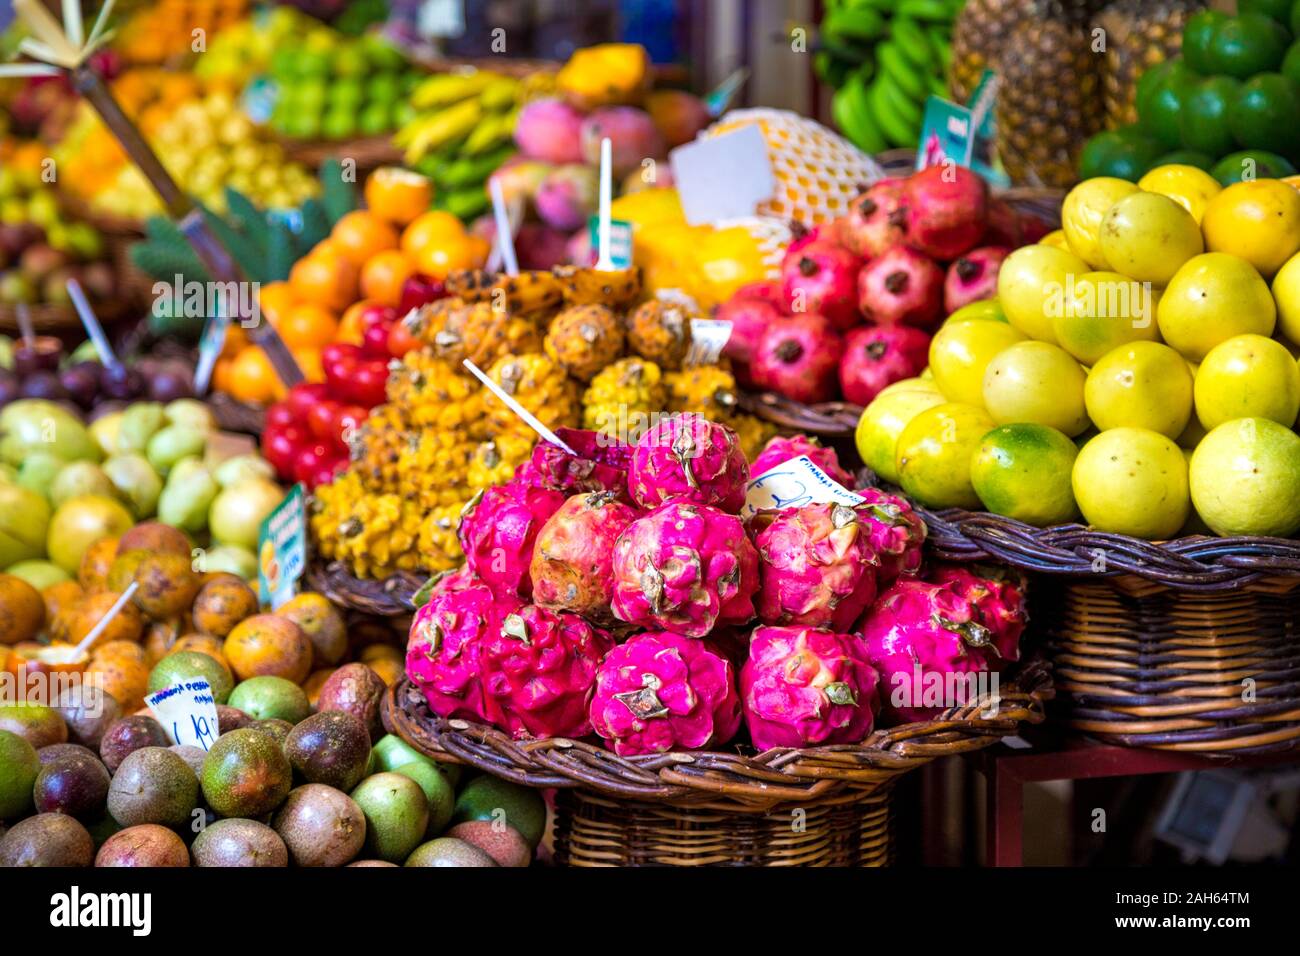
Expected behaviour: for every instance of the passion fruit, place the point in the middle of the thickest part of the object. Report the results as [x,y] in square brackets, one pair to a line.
[123,677]
[321,826]
[47,839]
[153,785]
[323,625]
[92,572]
[354,689]
[38,724]
[332,748]
[22,610]
[189,665]
[503,844]
[76,784]
[448,851]
[61,603]
[204,644]
[397,815]
[88,711]
[246,774]
[144,845]
[271,697]
[128,625]
[81,521]
[128,735]
[222,602]
[239,843]
[166,585]
[156,537]
[266,644]
[19,767]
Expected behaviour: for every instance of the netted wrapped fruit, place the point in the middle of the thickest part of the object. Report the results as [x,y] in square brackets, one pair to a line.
[661,332]
[584,339]
[623,397]
[573,556]
[689,458]
[498,530]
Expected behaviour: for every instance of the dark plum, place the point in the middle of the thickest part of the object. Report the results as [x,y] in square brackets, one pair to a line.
[169,382]
[10,390]
[121,381]
[43,384]
[81,381]
[43,354]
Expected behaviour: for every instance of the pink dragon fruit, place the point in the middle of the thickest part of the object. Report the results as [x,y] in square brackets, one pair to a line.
[897,534]
[798,358]
[782,449]
[661,691]
[685,568]
[816,566]
[901,287]
[804,687]
[973,277]
[947,210]
[600,465]
[920,636]
[539,670]
[821,277]
[443,651]
[998,594]
[686,457]
[877,356]
[572,559]
[876,219]
[497,532]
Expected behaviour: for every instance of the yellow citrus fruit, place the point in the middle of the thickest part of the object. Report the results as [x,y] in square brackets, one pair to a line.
[1247,376]
[1245,478]
[1132,481]
[989,309]
[1082,212]
[1212,298]
[960,353]
[1104,310]
[1142,385]
[883,421]
[1056,239]
[1147,237]
[1032,285]
[1257,220]
[1188,186]
[934,453]
[1023,471]
[910,385]
[1286,292]
[1036,382]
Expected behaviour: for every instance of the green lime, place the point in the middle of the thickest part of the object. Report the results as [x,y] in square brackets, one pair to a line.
[349,61]
[1198,35]
[1125,153]
[1279,10]
[1291,62]
[1251,164]
[1023,471]
[383,88]
[338,123]
[310,64]
[1248,44]
[1186,157]
[381,54]
[1203,122]
[1265,112]
[375,119]
[283,64]
[1160,100]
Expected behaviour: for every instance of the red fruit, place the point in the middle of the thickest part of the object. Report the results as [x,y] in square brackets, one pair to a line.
[768,291]
[973,277]
[280,447]
[803,236]
[306,394]
[875,220]
[321,420]
[876,356]
[347,421]
[749,319]
[401,339]
[798,357]
[1004,228]
[420,290]
[901,287]
[280,414]
[821,278]
[325,470]
[369,382]
[374,340]
[308,460]
[339,361]
[947,210]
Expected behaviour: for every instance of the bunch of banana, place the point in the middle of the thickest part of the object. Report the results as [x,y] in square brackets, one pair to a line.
[884,58]
[463,131]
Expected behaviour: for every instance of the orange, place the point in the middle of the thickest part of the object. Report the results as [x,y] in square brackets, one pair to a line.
[398,195]
[439,259]
[236,340]
[267,644]
[384,274]
[253,379]
[222,374]
[361,234]
[430,229]
[350,326]
[307,326]
[310,363]
[275,299]
[325,278]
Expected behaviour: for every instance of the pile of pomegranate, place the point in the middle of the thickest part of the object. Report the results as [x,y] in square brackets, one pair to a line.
[859,298]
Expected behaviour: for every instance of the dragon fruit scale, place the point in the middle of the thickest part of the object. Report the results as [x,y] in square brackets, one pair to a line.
[927,642]
[816,566]
[686,457]
[897,534]
[444,648]
[539,671]
[600,464]
[999,597]
[498,529]
[803,687]
[572,558]
[782,449]
[686,568]
[661,691]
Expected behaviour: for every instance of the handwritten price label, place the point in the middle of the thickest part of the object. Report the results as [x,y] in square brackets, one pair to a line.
[187,712]
[793,484]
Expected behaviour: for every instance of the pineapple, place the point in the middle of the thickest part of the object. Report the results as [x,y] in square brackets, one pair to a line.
[1139,34]
[978,35]
[1049,95]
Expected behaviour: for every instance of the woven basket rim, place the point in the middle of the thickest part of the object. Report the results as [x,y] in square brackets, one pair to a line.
[724,780]
[1196,563]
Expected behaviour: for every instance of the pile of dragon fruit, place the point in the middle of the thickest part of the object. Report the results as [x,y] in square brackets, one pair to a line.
[859,297]
[616,591]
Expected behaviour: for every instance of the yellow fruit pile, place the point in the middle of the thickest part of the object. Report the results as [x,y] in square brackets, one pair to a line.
[1136,369]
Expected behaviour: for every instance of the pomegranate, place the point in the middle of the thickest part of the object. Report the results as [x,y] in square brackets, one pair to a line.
[749,319]
[973,277]
[876,219]
[1004,228]
[876,356]
[901,287]
[798,358]
[821,278]
[947,210]
[768,290]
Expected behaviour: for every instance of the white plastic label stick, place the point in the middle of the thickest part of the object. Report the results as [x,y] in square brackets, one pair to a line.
[518,409]
[88,641]
[93,328]
[605,261]
[505,237]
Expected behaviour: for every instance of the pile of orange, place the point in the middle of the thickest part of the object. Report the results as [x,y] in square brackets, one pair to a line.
[365,261]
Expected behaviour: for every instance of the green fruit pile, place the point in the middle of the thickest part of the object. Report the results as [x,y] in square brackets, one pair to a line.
[1229,105]
[331,87]
[885,58]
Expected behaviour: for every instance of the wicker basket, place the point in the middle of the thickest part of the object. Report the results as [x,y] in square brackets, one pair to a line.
[59,318]
[824,806]
[1190,645]
[388,598]
[368,152]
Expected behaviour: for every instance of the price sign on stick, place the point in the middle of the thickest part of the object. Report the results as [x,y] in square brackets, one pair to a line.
[187,711]
[282,549]
[723,177]
[505,231]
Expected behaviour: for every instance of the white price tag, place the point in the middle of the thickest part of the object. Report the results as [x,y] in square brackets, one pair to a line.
[723,177]
[793,484]
[187,712]
[708,338]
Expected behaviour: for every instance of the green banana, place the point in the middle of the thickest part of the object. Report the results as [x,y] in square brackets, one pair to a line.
[853,116]
[860,26]
[446,89]
[467,204]
[494,130]
[932,11]
[909,79]
[911,41]
[898,129]
[470,171]
[905,106]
